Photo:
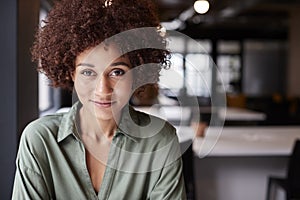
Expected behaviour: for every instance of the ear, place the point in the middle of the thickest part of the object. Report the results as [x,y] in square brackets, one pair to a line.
[73,75]
[140,91]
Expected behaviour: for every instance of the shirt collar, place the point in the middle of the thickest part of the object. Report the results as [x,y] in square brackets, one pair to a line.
[67,125]
[128,126]
[129,123]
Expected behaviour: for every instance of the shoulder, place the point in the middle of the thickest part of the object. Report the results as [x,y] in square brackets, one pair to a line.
[46,126]
[145,119]
[155,143]
[40,134]
[155,128]
[49,130]
[37,140]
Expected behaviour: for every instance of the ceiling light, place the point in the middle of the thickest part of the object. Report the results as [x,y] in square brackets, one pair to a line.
[201,6]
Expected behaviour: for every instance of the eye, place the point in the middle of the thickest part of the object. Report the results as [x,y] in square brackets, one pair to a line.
[88,73]
[117,72]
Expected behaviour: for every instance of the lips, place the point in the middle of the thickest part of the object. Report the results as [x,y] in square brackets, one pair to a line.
[104,103]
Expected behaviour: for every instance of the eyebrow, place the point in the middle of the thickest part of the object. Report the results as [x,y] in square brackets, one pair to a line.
[111,65]
[119,63]
[85,64]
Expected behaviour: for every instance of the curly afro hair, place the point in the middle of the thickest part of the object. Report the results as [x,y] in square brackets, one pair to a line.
[73,26]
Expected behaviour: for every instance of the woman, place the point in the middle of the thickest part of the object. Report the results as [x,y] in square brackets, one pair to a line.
[102,148]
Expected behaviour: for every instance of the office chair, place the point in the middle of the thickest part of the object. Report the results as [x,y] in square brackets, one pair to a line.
[291,183]
[188,169]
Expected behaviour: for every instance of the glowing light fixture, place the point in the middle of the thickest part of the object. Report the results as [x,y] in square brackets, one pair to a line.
[201,6]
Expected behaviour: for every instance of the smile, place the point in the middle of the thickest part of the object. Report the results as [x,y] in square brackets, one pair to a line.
[104,104]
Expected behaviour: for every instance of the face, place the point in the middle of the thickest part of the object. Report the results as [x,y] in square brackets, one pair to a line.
[103,81]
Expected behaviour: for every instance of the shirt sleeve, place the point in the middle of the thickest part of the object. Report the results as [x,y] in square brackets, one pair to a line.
[171,184]
[28,185]
[29,182]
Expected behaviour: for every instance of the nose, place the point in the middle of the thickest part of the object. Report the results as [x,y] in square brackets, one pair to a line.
[104,86]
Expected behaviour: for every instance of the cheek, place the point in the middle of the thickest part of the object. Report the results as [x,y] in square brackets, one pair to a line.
[123,90]
[83,88]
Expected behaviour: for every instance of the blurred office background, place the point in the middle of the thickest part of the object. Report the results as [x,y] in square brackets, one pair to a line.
[255,45]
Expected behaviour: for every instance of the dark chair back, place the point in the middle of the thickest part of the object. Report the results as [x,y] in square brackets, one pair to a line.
[293,176]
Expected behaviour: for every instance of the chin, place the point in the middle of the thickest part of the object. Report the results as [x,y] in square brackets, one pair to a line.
[105,114]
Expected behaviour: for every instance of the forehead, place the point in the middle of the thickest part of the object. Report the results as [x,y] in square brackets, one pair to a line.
[102,53]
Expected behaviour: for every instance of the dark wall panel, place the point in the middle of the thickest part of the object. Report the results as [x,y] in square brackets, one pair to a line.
[18,82]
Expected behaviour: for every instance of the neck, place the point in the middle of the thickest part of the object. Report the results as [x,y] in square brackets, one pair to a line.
[96,128]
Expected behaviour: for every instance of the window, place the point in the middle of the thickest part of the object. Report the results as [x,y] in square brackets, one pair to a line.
[198,74]
[190,68]
[48,97]
[172,79]
[229,64]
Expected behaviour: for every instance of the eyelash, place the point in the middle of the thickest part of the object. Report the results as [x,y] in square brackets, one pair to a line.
[113,72]
[91,73]
[120,71]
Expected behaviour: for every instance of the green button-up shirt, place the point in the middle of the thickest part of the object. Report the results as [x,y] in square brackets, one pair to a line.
[143,162]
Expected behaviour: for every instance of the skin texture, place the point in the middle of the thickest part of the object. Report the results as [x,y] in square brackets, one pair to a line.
[103,83]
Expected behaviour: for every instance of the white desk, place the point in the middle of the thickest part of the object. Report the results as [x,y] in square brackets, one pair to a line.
[242,141]
[246,141]
[233,163]
[185,133]
[170,113]
[183,114]
[241,114]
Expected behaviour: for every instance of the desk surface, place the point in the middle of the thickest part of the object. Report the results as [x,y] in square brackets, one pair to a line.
[178,113]
[168,112]
[241,114]
[242,141]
